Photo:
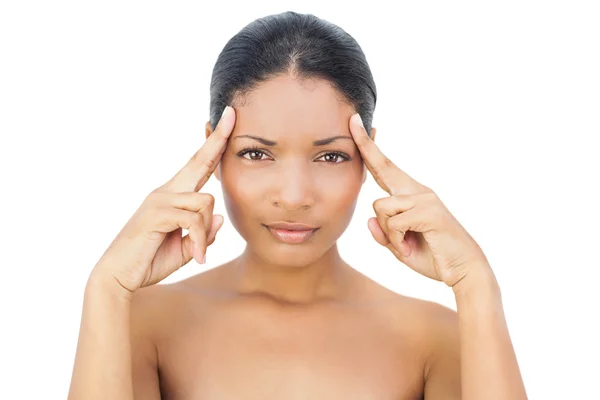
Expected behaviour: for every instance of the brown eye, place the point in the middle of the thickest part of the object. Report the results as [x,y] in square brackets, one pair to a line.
[254,154]
[335,158]
[331,157]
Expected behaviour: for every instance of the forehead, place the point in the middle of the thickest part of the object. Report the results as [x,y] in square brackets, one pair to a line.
[286,107]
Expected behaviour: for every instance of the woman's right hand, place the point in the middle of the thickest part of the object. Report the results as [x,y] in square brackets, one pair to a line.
[150,246]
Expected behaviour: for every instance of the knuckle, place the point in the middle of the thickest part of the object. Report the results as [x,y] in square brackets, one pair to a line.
[377,169]
[209,162]
[197,220]
[202,201]
[153,198]
[377,204]
[392,223]
[439,211]
[197,156]
[427,190]
[430,196]
[152,219]
[208,199]
[204,161]
[166,187]
[391,226]
[396,225]
[161,188]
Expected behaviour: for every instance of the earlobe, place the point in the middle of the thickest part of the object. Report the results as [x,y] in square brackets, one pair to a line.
[373,132]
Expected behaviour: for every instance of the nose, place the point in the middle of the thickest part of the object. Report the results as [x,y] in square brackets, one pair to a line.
[294,187]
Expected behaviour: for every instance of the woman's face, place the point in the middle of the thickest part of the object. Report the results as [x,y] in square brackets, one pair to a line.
[291,179]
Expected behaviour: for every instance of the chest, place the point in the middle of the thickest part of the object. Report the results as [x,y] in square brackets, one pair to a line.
[258,355]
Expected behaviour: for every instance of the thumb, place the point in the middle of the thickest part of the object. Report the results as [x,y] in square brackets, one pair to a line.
[378,234]
[188,245]
[217,223]
[381,238]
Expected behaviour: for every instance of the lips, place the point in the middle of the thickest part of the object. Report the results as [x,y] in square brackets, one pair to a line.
[291,233]
[292,226]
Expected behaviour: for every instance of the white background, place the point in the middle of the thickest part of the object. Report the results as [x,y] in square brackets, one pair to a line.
[494,105]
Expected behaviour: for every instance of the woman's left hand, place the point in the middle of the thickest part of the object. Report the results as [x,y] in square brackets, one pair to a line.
[413,223]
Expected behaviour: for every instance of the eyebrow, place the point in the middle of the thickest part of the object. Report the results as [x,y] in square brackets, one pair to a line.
[321,142]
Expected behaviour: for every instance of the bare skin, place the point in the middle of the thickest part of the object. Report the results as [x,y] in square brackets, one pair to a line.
[261,327]
[290,321]
[201,339]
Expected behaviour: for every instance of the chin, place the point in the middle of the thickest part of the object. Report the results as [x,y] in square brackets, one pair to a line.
[289,258]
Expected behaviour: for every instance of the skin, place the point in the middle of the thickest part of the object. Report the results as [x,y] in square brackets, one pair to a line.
[291,181]
[291,321]
[288,321]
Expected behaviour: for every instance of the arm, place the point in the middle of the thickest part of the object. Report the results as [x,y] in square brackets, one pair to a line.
[487,367]
[103,367]
[489,364]
[115,358]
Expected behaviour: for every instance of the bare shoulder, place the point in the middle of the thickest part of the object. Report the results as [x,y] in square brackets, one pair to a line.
[430,321]
[153,302]
[430,314]
[425,313]
[437,327]
[158,312]
[150,308]
[435,323]
[155,305]
[432,331]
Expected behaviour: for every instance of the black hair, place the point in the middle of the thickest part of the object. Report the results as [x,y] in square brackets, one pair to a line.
[301,45]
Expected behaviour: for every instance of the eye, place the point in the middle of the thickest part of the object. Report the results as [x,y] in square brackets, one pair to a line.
[255,154]
[335,155]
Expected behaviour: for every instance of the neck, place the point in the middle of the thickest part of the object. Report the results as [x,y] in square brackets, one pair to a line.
[322,279]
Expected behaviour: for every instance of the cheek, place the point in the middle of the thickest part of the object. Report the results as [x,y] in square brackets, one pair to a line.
[241,192]
[243,185]
[339,197]
[340,190]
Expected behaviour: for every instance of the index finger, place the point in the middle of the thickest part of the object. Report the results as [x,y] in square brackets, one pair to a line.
[387,175]
[203,163]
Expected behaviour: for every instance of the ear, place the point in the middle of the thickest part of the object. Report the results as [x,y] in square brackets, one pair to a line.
[217,172]
[373,132]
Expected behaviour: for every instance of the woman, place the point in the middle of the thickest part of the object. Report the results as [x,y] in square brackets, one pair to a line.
[289,318]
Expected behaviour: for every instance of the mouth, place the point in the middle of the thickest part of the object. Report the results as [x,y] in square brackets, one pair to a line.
[291,233]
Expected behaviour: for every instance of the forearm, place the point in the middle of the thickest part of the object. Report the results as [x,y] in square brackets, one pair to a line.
[489,367]
[102,368]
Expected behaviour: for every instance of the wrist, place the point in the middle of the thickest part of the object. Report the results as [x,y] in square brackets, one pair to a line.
[104,284]
[480,279]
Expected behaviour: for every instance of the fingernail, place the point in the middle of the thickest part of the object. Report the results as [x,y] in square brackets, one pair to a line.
[203,259]
[360,121]
[225,111]
[222,219]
